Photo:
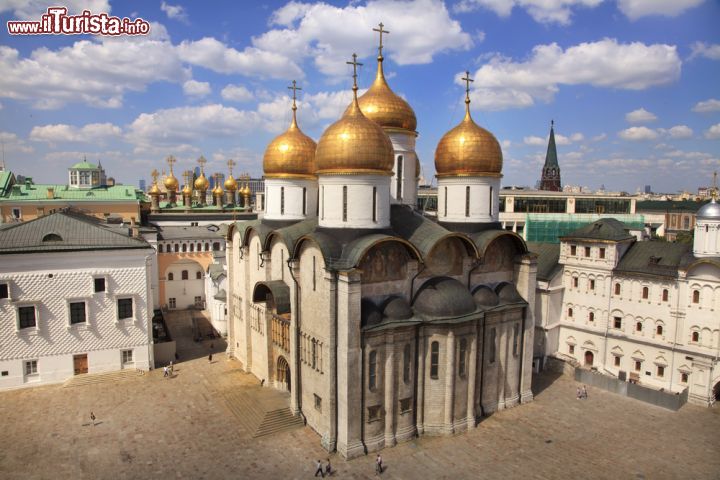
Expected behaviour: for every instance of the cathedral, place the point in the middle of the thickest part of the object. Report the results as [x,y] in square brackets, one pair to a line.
[382,324]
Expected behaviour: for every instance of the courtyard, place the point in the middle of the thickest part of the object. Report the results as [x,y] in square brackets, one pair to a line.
[187,426]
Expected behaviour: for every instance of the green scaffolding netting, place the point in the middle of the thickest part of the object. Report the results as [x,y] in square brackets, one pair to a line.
[548,227]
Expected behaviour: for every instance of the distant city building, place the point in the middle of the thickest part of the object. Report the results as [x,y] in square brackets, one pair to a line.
[141,184]
[648,189]
[550,179]
[74,298]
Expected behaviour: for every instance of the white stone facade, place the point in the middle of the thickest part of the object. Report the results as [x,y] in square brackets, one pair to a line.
[468,199]
[290,199]
[51,282]
[354,201]
[403,186]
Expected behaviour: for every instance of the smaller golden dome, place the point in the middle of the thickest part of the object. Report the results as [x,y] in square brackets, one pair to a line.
[291,154]
[217,190]
[154,190]
[230,184]
[246,190]
[468,150]
[170,182]
[202,183]
[187,190]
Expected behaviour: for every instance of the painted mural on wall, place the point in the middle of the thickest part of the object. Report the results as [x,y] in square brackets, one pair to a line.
[384,262]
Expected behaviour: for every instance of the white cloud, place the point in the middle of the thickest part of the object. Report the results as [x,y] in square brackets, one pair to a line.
[600,137]
[33,9]
[506,144]
[328,34]
[709,105]
[236,93]
[543,11]
[176,12]
[90,133]
[713,133]
[535,141]
[12,143]
[194,88]
[640,116]
[634,9]
[638,134]
[702,49]
[680,131]
[559,139]
[502,83]
[218,57]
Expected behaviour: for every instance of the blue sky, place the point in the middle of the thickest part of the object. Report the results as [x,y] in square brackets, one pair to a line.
[631,84]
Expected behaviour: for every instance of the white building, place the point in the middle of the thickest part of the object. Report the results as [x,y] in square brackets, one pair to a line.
[74,298]
[644,311]
[216,293]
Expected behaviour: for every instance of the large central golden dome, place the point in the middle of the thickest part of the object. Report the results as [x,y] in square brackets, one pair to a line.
[384,107]
[354,145]
[171,183]
[290,154]
[468,150]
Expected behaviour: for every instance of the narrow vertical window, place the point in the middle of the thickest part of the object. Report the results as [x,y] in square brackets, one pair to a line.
[490,202]
[322,204]
[467,201]
[398,186]
[282,260]
[665,295]
[461,357]
[374,204]
[314,275]
[492,345]
[445,206]
[406,363]
[434,359]
[344,203]
[304,210]
[282,200]
[645,292]
[372,370]
[696,296]
[617,289]
[516,336]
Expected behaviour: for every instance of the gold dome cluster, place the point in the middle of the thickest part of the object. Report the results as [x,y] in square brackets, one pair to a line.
[292,153]
[468,150]
[354,144]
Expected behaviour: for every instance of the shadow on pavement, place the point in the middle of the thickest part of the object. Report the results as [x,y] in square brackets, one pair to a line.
[543,380]
[194,336]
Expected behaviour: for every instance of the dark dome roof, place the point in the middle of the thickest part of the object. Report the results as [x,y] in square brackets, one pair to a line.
[507,293]
[369,313]
[485,296]
[397,308]
[444,297]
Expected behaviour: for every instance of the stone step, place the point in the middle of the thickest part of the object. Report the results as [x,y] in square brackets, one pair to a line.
[279,420]
[248,413]
[91,378]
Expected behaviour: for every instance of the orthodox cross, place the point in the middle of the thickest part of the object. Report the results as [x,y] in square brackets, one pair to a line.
[171,161]
[355,64]
[294,88]
[380,31]
[155,174]
[467,81]
[231,163]
[202,163]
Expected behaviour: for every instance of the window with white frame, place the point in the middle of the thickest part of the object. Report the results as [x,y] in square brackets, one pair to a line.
[77,312]
[124,308]
[127,356]
[172,302]
[31,368]
[26,317]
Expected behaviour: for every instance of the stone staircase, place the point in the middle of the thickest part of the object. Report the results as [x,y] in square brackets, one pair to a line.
[261,411]
[90,378]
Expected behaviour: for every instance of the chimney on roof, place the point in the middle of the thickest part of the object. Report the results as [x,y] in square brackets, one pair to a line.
[50,193]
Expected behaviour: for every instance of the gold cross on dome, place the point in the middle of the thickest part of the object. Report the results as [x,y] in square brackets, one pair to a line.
[155,174]
[231,163]
[355,64]
[467,81]
[294,88]
[202,163]
[380,31]
[171,161]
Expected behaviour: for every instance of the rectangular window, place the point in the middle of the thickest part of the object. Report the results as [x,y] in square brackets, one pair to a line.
[26,317]
[660,371]
[467,201]
[573,250]
[617,361]
[592,284]
[638,365]
[322,204]
[617,322]
[374,413]
[282,200]
[516,335]
[172,302]
[372,370]
[125,308]
[31,367]
[407,363]
[99,285]
[318,402]
[127,356]
[462,357]
[77,313]
[684,377]
[602,252]
[492,345]
[4,290]
[405,404]
[374,204]
[575,282]
[445,203]
[304,210]
[16,213]
[314,275]
[490,202]
[434,359]
[571,349]
[587,251]
[345,203]
[198,301]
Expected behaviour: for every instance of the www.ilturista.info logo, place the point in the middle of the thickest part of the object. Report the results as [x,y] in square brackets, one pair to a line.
[57,22]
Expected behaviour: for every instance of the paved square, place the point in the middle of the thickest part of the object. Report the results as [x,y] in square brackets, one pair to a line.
[152,427]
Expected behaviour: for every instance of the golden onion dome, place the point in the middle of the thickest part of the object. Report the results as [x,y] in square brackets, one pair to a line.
[354,145]
[170,182]
[154,190]
[201,182]
[291,154]
[230,184]
[217,190]
[384,107]
[187,189]
[468,150]
[246,190]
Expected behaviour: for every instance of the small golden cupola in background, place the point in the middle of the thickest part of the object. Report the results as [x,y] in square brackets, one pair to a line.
[201,182]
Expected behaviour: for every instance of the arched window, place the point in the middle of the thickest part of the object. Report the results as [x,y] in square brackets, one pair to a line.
[344,204]
[198,276]
[160,248]
[645,292]
[207,247]
[570,312]
[696,336]
[184,247]
[665,294]
[216,246]
[617,289]
[171,277]
[372,370]
[184,275]
[407,363]
[591,316]
[659,330]
[461,358]
[467,201]
[177,248]
[696,296]
[638,327]
[434,359]
[192,247]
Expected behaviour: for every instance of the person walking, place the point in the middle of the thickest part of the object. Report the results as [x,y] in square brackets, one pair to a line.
[319,469]
[210,358]
[578,394]
[378,464]
[584,392]
[328,468]
[92,418]
[165,371]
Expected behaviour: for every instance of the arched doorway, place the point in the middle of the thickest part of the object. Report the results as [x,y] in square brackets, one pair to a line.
[282,373]
[716,392]
[589,357]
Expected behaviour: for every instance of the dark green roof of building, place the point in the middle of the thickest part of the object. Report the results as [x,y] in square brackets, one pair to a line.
[680,206]
[64,231]
[548,256]
[84,165]
[654,258]
[608,229]
[6,178]
[26,192]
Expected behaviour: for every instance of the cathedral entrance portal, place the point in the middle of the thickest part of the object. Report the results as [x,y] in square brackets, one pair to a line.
[589,357]
[282,373]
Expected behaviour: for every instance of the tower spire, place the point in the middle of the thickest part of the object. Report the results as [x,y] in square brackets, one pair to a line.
[550,179]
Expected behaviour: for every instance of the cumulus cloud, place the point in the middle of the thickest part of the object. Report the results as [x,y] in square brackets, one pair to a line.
[599,138]
[702,49]
[12,143]
[535,141]
[638,134]
[559,139]
[709,105]
[194,88]
[175,12]
[328,34]
[640,116]
[33,9]
[236,93]
[634,9]
[713,133]
[680,131]
[543,11]
[61,133]
[502,83]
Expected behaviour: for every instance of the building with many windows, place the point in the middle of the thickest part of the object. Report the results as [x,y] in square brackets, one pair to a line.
[642,311]
[75,297]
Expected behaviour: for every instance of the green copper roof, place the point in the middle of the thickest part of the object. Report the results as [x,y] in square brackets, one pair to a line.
[5,178]
[31,192]
[604,229]
[84,165]
[551,156]
[654,258]
[548,256]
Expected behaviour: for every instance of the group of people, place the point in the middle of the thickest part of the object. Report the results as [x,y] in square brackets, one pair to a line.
[168,370]
[582,393]
[322,472]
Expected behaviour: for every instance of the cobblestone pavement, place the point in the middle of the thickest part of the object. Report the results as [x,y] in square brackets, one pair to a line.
[153,427]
